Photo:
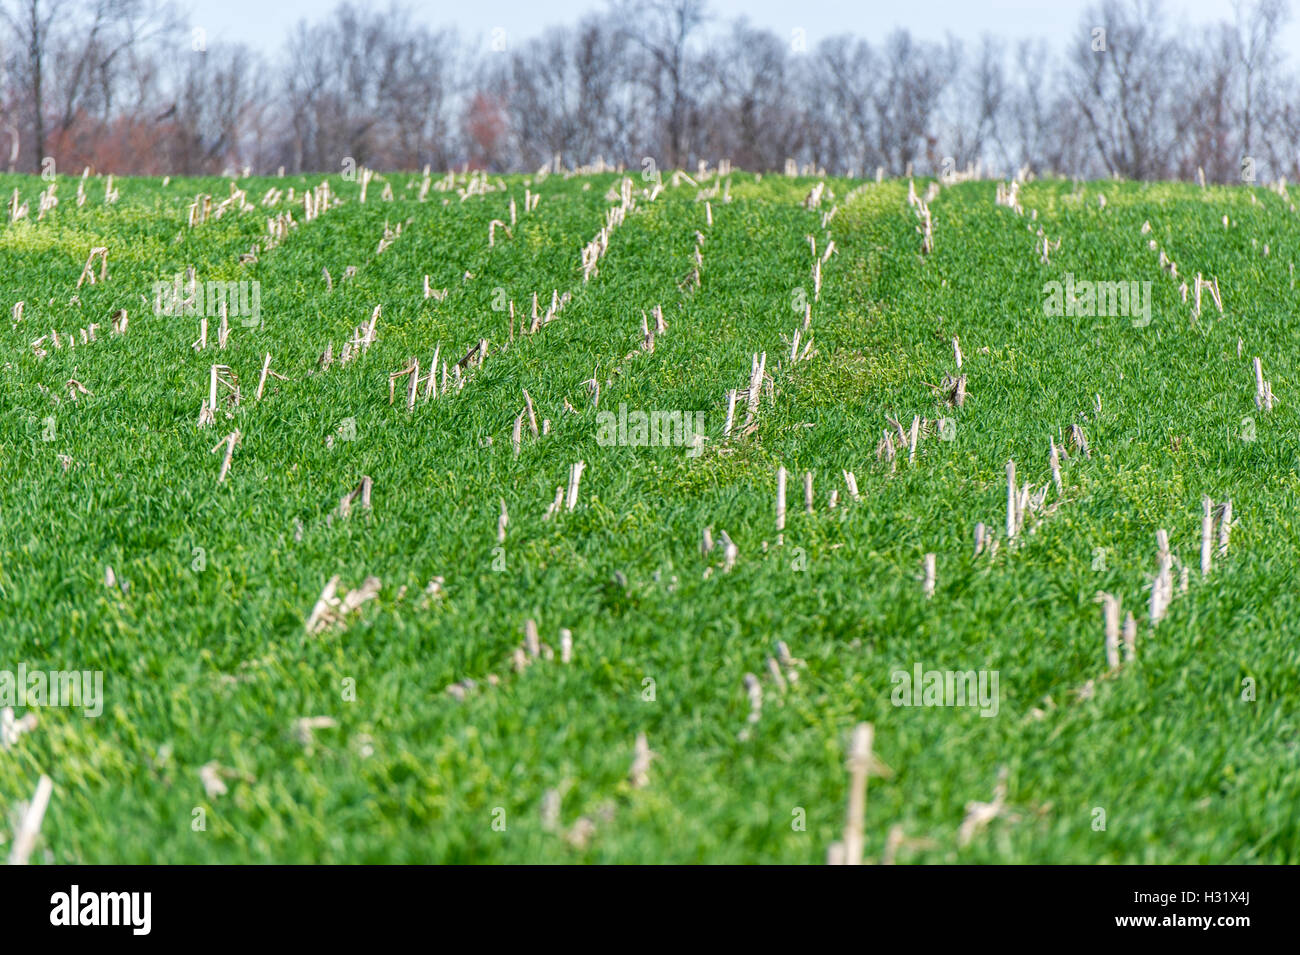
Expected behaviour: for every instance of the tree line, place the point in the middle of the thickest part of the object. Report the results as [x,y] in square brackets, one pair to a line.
[126,86]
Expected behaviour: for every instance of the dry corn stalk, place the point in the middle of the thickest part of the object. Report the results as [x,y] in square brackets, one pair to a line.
[926,227]
[211,775]
[555,505]
[223,330]
[532,413]
[47,201]
[755,390]
[859,764]
[1263,390]
[11,730]
[575,476]
[431,382]
[730,552]
[1162,586]
[639,774]
[778,677]
[1130,638]
[1225,526]
[88,273]
[1110,615]
[851,484]
[532,642]
[1207,535]
[29,825]
[363,336]
[17,210]
[781,475]
[980,814]
[361,492]
[305,726]
[229,441]
[411,371]
[754,689]
[1013,515]
[220,376]
[955,390]
[266,370]
[330,610]
[1080,440]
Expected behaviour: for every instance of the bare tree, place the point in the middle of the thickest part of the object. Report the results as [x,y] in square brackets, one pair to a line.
[417,93]
[1032,109]
[101,81]
[1284,138]
[75,60]
[847,77]
[1122,82]
[906,105]
[370,86]
[1208,140]
[751,118]
[31,23]
[550,97]
[663,29]
[216,109]
[1255,32]
[977,99]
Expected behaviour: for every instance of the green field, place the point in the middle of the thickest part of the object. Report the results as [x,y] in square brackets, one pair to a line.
[201,632]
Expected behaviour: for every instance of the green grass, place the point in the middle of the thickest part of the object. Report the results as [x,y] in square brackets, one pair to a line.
[206,657]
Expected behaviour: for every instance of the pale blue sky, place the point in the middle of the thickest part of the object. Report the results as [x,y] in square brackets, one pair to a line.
[263,25]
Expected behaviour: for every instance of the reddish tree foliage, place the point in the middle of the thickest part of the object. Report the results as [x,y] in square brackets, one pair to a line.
[485,130]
